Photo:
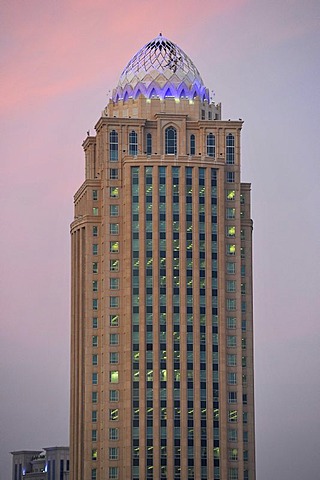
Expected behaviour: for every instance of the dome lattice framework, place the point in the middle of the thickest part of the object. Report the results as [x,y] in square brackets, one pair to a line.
[160,69]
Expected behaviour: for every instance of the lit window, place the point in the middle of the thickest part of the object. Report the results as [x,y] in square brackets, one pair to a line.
[114,265]
[231,341]
[94,194]
[114,376]
[233,415]
[114,192]
[114,283]
[114,339]
[231,195]
[211,145]
[133,143]
[114,228]
[113,434]
[230,149]
[192,145]
[113,146]
[114,247]
[233,454]
[114,414]
[94,454]
[113,453]
[231,249]
[114,320]
[94,341]
[114,357]
[230,230]
[95,211]
[114,174]
[171,141]
[114,210]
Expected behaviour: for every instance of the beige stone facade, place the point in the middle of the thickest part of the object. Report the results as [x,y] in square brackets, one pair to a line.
[162,332]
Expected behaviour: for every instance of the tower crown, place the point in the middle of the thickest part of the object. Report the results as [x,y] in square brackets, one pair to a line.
[160,69]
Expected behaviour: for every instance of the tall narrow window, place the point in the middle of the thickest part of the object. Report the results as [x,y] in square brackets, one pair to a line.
[114,146]
[230,149]
[211,145]
[133,143]
[192,145]
[171,141]
[149,144]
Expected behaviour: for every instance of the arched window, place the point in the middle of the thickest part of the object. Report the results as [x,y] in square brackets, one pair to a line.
[192,144]
[211,145]
[133,143]
[114,146]
[149,144]
[230,149]
[171,141]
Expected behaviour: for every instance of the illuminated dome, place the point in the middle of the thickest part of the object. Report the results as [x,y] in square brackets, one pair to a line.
[160,69]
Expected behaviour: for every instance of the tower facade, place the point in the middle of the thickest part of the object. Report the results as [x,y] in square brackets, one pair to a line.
[162,332]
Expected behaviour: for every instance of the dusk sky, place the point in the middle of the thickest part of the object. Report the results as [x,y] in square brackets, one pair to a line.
[60,59]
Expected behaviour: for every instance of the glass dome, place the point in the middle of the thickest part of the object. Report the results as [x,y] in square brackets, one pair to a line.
[160,69]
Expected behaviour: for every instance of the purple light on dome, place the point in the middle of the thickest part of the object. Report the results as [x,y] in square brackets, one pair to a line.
[161,69]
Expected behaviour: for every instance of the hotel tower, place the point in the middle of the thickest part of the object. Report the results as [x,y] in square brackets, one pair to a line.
[161,336]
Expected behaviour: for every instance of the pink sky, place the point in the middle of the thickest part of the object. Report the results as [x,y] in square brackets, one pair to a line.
[59,60]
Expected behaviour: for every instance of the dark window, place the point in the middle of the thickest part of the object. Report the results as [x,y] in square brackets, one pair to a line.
[211,145]
[171,141]
[149,144]
[133,143]
[230,149]
[192,145]
[113,146]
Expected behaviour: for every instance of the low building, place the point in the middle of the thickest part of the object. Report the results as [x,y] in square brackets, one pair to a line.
[51,463]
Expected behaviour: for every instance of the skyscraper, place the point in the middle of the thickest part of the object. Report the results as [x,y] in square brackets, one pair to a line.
[162,340]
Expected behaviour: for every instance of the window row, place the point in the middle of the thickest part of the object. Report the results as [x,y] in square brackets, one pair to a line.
[170,137]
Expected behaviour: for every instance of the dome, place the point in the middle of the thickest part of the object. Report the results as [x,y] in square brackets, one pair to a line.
[160,69]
